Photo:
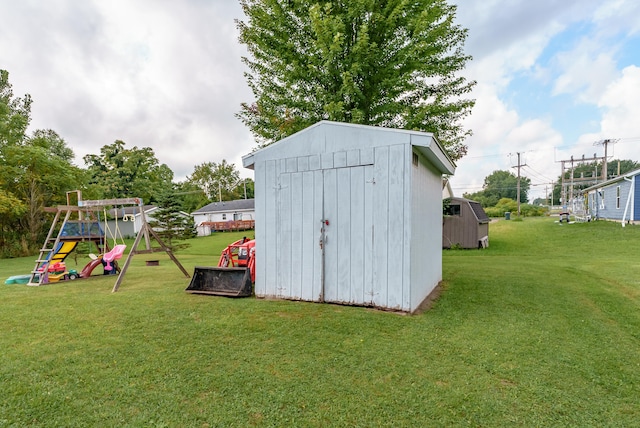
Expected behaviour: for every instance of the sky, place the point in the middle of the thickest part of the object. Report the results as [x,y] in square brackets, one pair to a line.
[553,80]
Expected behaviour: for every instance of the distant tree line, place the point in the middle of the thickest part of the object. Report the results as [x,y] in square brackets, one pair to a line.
[36,171]
[499,185]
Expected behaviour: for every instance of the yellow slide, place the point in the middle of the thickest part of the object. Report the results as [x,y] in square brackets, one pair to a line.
[64,249]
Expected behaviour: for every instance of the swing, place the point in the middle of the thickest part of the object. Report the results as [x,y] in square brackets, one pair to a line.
[118,249]
[101,242]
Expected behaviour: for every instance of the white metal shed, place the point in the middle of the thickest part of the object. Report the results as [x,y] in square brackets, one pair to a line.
[350,214]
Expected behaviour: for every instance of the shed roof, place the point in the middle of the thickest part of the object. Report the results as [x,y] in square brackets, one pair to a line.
[224,206]
[327,136]
[476,207]
[613,180]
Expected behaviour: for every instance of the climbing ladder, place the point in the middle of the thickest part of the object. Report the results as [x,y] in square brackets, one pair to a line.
[39,272]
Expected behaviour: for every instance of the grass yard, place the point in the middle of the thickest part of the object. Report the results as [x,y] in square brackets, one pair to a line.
[540,329]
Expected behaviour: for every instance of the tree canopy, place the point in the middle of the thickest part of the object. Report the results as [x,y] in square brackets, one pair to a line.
[219,181]
[391,63]
[119,172]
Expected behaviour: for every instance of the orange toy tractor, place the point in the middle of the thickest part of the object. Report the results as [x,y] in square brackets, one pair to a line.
[234,275]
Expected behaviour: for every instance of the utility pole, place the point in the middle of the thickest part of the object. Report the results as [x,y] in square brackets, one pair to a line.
[604,163]
[563,189]
[605,143]
[571,189]
[518,193]
[518,185]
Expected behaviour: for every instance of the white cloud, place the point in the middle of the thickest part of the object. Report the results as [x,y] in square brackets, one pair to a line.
[621,113]
[618,16]
[586,71]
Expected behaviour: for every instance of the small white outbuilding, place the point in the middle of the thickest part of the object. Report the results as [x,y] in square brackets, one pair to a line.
[350,214]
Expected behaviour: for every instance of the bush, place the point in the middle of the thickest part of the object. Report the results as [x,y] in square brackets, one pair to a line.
[509,205]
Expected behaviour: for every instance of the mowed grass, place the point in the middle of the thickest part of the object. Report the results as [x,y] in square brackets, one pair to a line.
[540,329]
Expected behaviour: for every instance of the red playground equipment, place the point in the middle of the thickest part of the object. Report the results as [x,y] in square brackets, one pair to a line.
[234,275]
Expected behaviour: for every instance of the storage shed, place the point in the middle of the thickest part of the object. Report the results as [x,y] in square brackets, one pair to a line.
[350,214]
[465,224]
[615,199]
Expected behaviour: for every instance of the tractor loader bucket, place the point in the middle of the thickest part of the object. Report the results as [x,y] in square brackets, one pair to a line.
[221,281]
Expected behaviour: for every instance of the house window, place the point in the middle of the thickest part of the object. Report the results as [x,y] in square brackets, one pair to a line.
[618,197]
[601,193]
[224,216]
[415,159]
[237,216]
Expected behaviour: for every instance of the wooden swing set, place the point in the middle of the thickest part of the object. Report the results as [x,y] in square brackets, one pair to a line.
[84,210]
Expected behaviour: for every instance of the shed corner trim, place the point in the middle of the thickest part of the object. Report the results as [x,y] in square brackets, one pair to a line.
[248,161]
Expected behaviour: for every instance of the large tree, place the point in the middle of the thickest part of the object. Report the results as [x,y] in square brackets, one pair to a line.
[393,63]
[217,180]
[120,172]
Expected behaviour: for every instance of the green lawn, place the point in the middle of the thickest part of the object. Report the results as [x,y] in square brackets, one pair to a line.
[540,329]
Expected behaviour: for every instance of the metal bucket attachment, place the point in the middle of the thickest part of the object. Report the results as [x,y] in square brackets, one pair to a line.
[230,282]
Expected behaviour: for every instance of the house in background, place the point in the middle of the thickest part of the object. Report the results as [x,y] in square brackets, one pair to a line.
[465,224]
[615,199]
[225,215]
[127,221]
[348,213]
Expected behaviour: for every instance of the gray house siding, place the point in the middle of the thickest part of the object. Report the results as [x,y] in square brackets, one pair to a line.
[616,199]
[613,207]
[636,200]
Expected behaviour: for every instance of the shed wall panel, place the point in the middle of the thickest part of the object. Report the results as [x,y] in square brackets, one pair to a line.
[343,228]
[357,234]
[426,227]
[283,250]
[369,233]
[340,159]
[297,208]
[396,227]
[380,226]
[330,201]
[318,215]
[407,229]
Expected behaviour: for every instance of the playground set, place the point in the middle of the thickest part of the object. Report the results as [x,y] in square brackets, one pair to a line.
[63,239]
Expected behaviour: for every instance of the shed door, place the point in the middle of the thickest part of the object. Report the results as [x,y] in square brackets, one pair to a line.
[348,249]
[340,270]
